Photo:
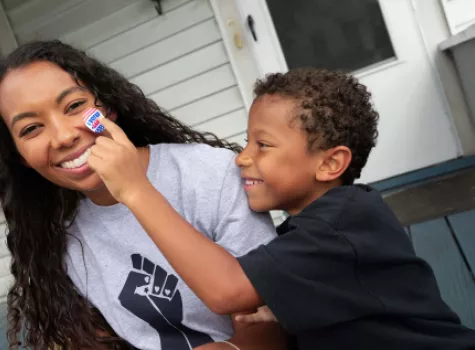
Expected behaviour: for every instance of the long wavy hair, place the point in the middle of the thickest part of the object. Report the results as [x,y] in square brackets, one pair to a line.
[44,307]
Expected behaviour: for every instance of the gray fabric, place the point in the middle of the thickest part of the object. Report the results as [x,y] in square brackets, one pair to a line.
[125,275]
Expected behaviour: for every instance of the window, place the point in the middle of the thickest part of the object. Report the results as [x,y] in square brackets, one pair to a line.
[345,34]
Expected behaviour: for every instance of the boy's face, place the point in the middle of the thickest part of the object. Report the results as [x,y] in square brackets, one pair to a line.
[278,168]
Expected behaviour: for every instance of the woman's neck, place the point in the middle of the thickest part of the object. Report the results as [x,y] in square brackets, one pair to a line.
[102,196]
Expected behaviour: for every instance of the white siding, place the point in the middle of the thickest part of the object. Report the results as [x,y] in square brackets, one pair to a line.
[7,37]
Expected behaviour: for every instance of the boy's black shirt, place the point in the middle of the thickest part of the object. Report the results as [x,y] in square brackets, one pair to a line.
[343,275]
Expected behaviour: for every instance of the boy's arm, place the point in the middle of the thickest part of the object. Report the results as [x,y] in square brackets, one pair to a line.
[208,266]
[208,269]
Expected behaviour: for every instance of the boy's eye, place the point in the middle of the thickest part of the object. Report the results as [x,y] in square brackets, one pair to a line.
[29,129]
[74,105]
[262,145]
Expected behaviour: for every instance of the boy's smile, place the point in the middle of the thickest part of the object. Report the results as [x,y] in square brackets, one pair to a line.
[279,171]
[250,183]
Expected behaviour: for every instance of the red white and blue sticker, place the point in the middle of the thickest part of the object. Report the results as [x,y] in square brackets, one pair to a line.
[92,119]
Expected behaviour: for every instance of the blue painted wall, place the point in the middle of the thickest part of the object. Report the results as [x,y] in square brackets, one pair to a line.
[448,245]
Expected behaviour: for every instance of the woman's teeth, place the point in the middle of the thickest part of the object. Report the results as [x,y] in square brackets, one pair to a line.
[78,162]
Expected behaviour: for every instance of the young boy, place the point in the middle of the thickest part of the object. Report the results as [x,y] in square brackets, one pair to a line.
[342,274]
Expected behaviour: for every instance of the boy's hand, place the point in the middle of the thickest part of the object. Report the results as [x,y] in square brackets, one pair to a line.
[117,161]
[263,314]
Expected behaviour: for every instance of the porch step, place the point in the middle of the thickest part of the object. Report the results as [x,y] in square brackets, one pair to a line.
[434,198]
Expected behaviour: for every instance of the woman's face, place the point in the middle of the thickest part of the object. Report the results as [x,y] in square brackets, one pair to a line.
[42,106]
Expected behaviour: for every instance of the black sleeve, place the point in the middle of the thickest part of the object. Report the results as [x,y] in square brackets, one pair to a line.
[308,277]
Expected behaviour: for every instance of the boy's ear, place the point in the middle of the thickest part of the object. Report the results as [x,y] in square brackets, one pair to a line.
[333,164]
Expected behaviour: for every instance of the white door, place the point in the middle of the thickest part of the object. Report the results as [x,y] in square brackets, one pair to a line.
[382,44]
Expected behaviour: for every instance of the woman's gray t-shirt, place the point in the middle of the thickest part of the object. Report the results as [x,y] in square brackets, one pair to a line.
[115,264]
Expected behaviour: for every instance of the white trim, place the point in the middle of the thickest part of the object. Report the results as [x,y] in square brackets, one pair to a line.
[230,26]
[377,67]
[437,80]
[7,38]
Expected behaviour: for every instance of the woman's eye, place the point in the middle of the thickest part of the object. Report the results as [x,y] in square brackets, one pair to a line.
[28,130]
[262,145]
[74,105]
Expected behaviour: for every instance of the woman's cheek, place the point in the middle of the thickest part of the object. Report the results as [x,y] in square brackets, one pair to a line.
[34,157]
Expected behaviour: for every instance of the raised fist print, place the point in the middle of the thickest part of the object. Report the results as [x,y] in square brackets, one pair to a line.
[151,294]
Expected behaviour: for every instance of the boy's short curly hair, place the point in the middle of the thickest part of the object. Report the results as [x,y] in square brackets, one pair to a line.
[335,110]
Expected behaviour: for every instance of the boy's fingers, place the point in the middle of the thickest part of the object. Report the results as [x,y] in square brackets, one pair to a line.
[250,318]
[115,131]
[263,314]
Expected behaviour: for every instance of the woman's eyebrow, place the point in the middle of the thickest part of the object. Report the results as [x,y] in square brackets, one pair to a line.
[21,116]
[68,91]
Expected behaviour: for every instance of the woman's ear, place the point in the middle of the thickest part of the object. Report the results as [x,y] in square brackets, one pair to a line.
[334,163]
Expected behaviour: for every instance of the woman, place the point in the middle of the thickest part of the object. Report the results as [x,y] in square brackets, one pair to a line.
[74,245]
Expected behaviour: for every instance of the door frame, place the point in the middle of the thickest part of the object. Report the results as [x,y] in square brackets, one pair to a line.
[230,16]
[274,60]
[237,47]
[272,50]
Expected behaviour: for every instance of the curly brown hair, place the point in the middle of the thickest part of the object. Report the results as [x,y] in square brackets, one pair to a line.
[335,110]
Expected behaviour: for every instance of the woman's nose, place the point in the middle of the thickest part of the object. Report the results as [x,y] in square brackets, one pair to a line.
[64,132]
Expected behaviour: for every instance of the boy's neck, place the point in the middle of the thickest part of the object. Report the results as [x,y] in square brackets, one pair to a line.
[320,189]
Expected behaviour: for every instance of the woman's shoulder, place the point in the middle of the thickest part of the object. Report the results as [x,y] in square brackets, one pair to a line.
[193,156]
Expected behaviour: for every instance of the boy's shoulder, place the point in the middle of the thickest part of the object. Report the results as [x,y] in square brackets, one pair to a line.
[359,214]
[346,205]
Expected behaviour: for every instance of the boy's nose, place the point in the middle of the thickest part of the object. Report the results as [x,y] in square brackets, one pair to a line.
[243,160]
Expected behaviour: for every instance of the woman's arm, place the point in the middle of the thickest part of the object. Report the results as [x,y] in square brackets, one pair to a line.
[208,269]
